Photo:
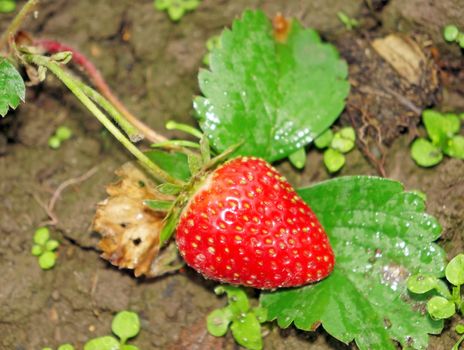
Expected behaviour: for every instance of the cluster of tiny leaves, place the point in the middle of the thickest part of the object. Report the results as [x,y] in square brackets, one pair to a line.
[443,304]
[451,33]
[61,134]
[44,248]
[12,88]
[380,234]
[243,320]
[443,135]
[274,96]
[336,146]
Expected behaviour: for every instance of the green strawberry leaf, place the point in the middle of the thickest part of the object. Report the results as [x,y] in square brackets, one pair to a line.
[275,96]
[174,163]
[380,235]
[12,88]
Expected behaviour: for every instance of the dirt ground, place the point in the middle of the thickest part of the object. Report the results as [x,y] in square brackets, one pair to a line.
[152,63]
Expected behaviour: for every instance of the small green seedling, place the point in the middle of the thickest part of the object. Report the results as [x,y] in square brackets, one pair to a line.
[62,133]
[176,8]
[451,33]
[443,304]
[350,23]
[336,145]
[244,321]
[211,44]
[125,325]
[44,248]
[443,132]
[7,6]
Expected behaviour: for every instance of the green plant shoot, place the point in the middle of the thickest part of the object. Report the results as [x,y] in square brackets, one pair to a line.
[125,325]
[443,304]
[243,321]
[442,129]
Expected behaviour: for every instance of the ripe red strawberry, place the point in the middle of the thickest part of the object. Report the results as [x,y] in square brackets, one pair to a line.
[246,225]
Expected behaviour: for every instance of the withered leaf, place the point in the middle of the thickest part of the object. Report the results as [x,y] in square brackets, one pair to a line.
[130,230]
[404,55]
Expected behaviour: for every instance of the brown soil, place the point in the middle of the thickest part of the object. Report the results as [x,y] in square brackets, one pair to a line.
[151,63]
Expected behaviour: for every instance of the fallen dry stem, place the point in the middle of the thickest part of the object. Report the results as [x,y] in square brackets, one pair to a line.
[49,208]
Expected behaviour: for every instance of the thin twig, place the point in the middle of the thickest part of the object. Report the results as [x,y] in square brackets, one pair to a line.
[67,183]
[53,219]
[17,22]
[49,208]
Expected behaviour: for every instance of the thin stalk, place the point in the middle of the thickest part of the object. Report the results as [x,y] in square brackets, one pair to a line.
[175,143]
[172,125]
[129,128]
[70,82]
[53,46]
[131,131]
[17,21]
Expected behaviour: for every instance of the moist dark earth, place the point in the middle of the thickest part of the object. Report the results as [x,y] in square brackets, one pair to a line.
[151,63]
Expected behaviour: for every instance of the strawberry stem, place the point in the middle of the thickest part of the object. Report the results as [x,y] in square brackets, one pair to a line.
[75,87]
[131,131]
[53,46]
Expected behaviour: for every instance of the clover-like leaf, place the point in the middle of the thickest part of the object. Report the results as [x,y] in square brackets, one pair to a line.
[238,300]
[440,127]
[455,270]
[421,284]
[440,308]
[218,321]
[276,95]
[47,260]
[425,153]
[380,235]
[455,147]
[12,88]
[324,140]
[333,160]
[102,343]
[247,332]
[126,324]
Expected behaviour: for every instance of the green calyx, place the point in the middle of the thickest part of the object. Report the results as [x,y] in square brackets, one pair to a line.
[197,168]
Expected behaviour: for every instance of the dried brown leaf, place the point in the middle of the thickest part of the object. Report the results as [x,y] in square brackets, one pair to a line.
[404,55]
[130,230]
